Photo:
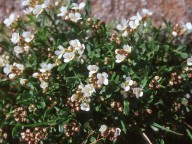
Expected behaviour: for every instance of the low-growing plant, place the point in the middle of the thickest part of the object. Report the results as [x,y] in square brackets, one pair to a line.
[69,78]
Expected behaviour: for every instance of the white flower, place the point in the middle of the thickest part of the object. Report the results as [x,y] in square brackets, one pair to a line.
[124,93]
[126,85]
[46,3]
[4,60]
[117,132]
[19,66]
[18,50]
[125,34]
[85,107]
[26,2]
[80,86]
[123,25]
[45,67]
[78,7]
[188,26]
[102,78]
[134,23]
[92,69]
[10,20]
[189,61]
[127,48]
[137,17]
[35,75]
[146,12]
[7,69]
[44,85]
[22,81]
[174,33]
[138,92]
[12,76]
[68,56]
[81,50]
[37,10]
[63,10]
[88,90]
[60,52]
[103,128]
[28,37]
[15,38]
[28,10]
[75,44]
[74,16]
[120,58]
[26,48]
[74,97]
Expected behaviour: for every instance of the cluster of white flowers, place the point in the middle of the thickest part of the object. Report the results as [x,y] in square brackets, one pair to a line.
[185,28]
[104,128]
[75,48]
[83,95]
[35,9]
[13,70]
[43,74]
[27,37]
[126,86]
[133,22]
[102,78]
[121,54]
[4,60]
[74,14]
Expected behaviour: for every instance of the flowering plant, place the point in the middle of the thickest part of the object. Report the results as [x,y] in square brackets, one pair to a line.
[68,78]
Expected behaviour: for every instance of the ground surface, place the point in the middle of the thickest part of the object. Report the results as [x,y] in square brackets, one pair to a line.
[176,11]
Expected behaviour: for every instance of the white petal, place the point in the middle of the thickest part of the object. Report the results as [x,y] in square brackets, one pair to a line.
[81,5]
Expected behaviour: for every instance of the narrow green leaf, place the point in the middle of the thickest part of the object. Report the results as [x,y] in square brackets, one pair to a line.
[166,129]
[88,8]
[14,131]
[123,126]
[189,134]
[126,107]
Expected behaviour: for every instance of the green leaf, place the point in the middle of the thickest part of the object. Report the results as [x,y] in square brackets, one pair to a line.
[92,139]
[126,107]
[143,46]
[144,81]
[88,8]
[182,54]
[14,131]
[117,79]
[47,112]
[123,126]
[189,134]
[61,67]
[166,129]
[113,75]
[43,104]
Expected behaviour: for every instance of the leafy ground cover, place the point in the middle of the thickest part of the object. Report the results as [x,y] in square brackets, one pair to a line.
[68,78]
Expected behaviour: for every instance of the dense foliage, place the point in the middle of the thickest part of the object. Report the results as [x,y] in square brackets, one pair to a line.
[68,78]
